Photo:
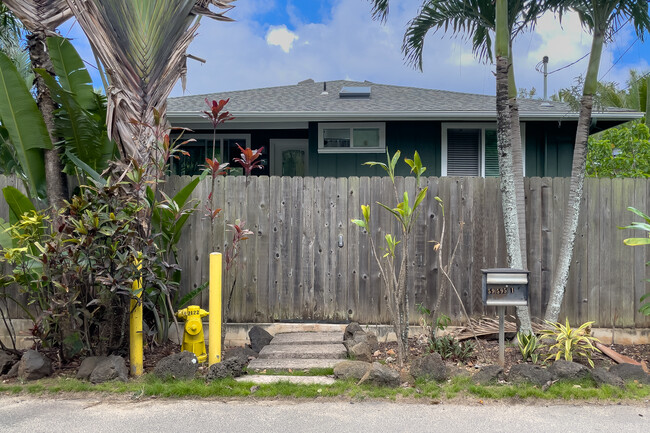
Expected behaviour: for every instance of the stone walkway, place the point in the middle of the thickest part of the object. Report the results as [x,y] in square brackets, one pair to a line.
[298,351]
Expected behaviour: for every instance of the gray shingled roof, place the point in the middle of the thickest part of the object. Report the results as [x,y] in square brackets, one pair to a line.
[306,100]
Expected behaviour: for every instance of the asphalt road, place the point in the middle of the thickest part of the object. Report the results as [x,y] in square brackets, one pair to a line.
[36,414]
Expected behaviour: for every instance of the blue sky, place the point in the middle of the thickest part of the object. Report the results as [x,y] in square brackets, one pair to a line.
[281,42]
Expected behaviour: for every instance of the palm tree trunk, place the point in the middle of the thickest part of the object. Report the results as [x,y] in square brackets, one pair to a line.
[505,145]
[523,312]
[56,186]
[561,274]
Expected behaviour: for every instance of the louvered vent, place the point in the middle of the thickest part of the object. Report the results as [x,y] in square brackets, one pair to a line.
[463,152]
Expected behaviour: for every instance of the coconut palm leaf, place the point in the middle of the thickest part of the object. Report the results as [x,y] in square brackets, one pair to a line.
[142,46]
[40,14]
[468,19]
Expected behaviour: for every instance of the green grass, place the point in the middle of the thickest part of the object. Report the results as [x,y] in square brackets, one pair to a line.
[150,386]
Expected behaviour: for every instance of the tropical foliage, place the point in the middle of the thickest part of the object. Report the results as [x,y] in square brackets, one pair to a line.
[570,342]
[79,271]
[394,276]
[620,152]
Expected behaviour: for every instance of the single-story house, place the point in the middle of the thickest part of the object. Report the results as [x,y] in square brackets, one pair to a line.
[332,128]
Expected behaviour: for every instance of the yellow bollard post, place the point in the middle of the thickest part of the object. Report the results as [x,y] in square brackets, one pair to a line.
[214,322]
[135,328]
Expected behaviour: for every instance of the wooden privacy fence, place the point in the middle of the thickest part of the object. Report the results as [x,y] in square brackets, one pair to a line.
[294,269]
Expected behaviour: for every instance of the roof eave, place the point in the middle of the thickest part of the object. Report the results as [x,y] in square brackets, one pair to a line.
[324,116]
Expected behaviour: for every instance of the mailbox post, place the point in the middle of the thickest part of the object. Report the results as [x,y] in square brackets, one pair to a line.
[504,287]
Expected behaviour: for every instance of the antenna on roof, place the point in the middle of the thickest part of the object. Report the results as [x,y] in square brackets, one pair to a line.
[545,63]
[324,92]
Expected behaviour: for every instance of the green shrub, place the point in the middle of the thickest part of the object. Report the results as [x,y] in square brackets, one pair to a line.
[528,345]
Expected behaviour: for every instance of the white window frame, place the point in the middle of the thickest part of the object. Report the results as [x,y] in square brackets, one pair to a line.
[482,126]
[351,126]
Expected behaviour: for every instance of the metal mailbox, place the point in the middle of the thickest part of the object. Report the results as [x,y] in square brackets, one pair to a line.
[505,287]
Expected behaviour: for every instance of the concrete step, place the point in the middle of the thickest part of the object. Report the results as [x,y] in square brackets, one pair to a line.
[305,351]
[262,379]
[300,338]
[292,364]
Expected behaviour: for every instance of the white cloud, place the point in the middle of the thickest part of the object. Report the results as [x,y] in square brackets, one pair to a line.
[282,37]
[347,43]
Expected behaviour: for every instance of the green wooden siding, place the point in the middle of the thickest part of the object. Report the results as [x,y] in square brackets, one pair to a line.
[549,148]
[404,136]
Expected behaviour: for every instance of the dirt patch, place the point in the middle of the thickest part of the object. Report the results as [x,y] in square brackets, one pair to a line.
[487,353]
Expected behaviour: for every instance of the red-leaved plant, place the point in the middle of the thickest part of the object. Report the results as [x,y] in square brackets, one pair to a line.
[249,160]
[240,233]
[217,116]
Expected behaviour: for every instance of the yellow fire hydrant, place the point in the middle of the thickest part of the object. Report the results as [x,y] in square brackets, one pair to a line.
[193,338]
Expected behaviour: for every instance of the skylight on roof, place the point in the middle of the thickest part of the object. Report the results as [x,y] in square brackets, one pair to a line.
[355,92]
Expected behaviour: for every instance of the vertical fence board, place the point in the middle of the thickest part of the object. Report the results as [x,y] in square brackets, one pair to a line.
[340,227]
[534,242]
[307,251]
[606,277]
[625,271]
[352,245]
[478,226]
[368,305]
[592,191]
[641,254]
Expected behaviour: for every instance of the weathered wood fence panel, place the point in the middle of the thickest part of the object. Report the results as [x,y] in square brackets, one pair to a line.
[307,262]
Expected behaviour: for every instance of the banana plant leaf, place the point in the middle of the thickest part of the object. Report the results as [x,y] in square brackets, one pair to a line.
[24,124]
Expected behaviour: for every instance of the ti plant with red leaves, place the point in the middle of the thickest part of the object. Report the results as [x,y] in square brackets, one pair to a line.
[215,169]
[217,115]
[249,160]
[240,233]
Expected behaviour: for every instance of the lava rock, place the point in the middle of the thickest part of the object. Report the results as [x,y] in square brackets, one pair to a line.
[430,367]
[362,337]
[109,368]
[604,377]
[350,330]
[488,374]
[562,369]
[529,373]
[34,365]
[233,367]
[7,361]
[182,365]
[361,352]
[351,369]
[382,376]
[242,353]
[259,338]
[87,366]
[629,372]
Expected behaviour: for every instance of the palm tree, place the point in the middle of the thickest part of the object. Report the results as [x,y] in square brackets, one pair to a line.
[142,46]
[40,17]
[476,19]
[602,18]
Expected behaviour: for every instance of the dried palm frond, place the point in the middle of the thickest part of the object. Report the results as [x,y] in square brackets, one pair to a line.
[142,46]
[488,326]
[40,14]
